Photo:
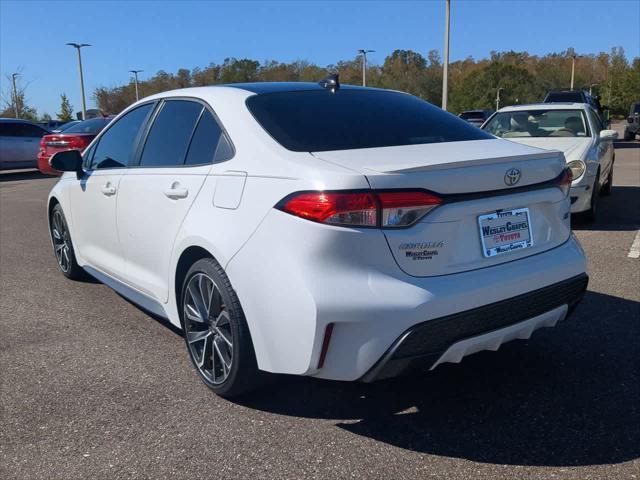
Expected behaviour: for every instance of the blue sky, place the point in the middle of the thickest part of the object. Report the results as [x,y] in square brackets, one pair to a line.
[167,35]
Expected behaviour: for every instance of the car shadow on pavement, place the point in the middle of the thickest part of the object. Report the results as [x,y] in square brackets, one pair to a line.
[617,212]
[13,176]
[569,396]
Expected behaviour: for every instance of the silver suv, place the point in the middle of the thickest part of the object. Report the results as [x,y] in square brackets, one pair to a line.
[632,128]
[19,143]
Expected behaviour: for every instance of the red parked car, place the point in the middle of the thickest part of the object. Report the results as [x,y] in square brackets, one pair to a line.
[76,137]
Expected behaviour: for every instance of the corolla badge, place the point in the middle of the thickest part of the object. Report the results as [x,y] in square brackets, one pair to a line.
[512,176]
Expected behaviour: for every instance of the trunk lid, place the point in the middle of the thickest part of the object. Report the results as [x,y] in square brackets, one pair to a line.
[448,239]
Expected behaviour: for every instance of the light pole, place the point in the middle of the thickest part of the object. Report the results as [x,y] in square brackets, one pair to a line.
[445,69]
[573,68]
[498,98]
[135,74]
[78,46]
[364,52]
[15,94]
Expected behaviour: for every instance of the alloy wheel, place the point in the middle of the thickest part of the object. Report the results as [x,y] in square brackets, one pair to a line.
[60,236]
[208,328]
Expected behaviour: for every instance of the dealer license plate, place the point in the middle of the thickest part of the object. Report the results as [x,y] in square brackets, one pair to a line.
[505,231]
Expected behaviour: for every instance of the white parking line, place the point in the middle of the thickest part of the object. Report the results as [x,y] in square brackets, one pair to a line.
[634,251]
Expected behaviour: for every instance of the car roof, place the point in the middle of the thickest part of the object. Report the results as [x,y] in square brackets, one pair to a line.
[17,120]
[276,87]
[256,88]
[546,106]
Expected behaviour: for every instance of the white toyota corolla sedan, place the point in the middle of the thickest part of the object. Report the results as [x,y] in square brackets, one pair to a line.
[337,232]
[576,130]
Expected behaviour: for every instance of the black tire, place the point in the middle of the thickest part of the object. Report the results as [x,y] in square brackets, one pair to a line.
[606,188]
[63,246]
[589,216]
[242,375]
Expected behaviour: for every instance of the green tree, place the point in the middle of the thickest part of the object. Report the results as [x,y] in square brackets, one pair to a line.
[66,110]
[45,117]
[472,83]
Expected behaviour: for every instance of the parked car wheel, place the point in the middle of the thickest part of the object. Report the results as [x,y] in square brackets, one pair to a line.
[216,332]
[63,246]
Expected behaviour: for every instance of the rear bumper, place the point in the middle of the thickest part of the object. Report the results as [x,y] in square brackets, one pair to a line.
[348,278]
[449,338]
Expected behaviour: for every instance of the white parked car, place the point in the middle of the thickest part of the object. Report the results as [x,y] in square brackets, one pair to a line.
[576,130]
[342,233]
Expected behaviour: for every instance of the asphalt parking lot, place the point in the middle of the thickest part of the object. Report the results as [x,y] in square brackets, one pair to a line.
[93,387]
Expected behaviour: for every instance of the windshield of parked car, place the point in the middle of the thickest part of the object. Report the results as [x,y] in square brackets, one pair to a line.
[635,108]
[538,123]
[93,126]
[315,121]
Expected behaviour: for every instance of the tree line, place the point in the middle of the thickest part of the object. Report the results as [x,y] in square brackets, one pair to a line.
[522,78]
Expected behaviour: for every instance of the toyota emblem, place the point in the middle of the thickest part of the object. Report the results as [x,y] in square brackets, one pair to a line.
[512,176]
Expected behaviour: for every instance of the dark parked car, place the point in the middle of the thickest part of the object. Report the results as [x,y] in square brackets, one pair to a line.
[76,137]
[64,126]
[19,140]
[632,128]
[52,124]
[476,117]
[578,96]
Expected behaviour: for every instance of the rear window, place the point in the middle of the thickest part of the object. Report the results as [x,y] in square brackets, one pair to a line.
[472,115]
[92,127]
[316,121]
[570,97]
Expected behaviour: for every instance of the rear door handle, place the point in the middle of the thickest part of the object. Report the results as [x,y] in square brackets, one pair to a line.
[108,189]
[176,191]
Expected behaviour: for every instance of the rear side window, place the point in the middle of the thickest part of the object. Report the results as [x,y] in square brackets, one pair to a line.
[19,129]
[169,138]
[33,131]
[10,129]
[116,146]
[209,143]
[91,127]
[314,121]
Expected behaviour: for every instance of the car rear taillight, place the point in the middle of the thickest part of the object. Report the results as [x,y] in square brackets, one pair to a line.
[352,209]
[386,209]
[401,209]
[564,181]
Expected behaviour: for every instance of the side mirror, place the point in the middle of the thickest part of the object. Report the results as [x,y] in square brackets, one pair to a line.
[608,135]
[67,161]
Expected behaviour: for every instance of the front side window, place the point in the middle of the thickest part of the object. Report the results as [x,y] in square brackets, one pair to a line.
[117,146]
[318,120]
[539,123]
[170,134]
[595,121]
